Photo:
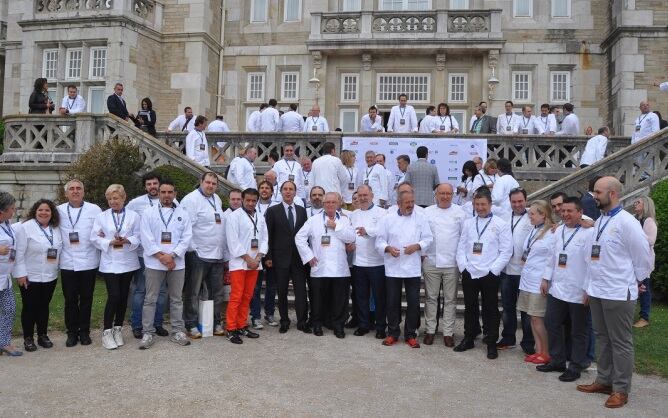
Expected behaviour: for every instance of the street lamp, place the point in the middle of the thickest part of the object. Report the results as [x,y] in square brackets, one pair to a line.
[315,82]
[492,82]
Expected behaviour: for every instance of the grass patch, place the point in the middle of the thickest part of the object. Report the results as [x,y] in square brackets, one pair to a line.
[650,343]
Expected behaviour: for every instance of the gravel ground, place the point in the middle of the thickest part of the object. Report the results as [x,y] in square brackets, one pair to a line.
[296,375]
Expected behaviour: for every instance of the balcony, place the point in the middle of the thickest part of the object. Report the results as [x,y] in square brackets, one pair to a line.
[392,31]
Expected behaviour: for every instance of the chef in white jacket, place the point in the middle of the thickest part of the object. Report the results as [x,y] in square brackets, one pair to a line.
[7,265]
[242,170]
[402,117]
[197,147]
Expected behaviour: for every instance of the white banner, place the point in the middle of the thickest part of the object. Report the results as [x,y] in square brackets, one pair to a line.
[447,154]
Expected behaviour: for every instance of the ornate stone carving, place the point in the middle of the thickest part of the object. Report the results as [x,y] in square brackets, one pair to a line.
[143,8]
[493,58]
[316,57]
[404,24]
[51,6]
[468,21]
[367,60]
[440,61]
[343,24]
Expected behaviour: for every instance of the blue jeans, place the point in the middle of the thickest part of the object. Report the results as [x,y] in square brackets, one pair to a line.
[269,295]
[369,284]
[138,299]
[510,285]
[645,300]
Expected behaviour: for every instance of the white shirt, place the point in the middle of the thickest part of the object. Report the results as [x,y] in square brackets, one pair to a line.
[547,123]
[391,182]
[531,126]
[376,177]
[218,126]
[538,259]
[141,203]
[253,122]
[262,206]
[74,106]
[32,247]
[594,150]
[365,246]
[332,258]
[179,123]
[292,121]
[508,125]
[625,258]
[407,114]
[313,211]
[645,125]
[504,184]
[567,282]
[446,227]
[8,238]
[353,181]
[152,227]
[520,226]
[570,125]
[241,229]
[207,223]
[483,179]
[496,247]
[197,148]
[285,169]
[125,258]
[468,185]
[367,126]
[84,255]
[399,232]
[242,173]
[307,184]
[270,120]
[329,173]
[425,124]
[440,124]
[316,124]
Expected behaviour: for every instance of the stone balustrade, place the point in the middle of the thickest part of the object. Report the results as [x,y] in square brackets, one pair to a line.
[144,11]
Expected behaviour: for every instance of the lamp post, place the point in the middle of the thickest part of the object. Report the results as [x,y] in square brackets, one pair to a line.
[315,82]
[492,82]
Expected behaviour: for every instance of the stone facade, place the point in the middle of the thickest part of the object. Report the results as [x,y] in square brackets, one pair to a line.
[227,57]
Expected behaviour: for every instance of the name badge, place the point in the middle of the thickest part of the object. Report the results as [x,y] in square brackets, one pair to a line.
[52,255]
[166,238]
[525,255]
[325,240]
[563,258]
[351,186]
[74,238]
[305,182]
[637,128]
[291,177]
[255,244]
[216,216]
[202,147]
[595,252]
[402,121]
[525,131]
[366,181]
[12,254]
[477,248]
[314,128]
[509,128]
[442,127]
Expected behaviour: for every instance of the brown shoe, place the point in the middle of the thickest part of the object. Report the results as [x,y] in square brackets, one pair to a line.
[595,388]
[641,323]
[428,339]
[449,340]
[617,400]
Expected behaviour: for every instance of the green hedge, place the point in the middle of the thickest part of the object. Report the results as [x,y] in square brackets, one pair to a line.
[660,276]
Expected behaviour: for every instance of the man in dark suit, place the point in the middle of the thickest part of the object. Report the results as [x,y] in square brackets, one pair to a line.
[116,103]
[589,206]
[283,222]
[482,123]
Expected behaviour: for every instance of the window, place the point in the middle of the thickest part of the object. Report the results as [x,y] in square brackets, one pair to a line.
[349,120]
[290,86]
[255,89]
[405,5]
[415,86]
[258,12]
[460,117]
[521,86]
[349,87]
[293,10]
[52,92]
[98,63]
[50,64]
[457,87]
[459,4]
[73,70]
[561,8]
[351,5]
[560,86]
[96,102]
[522,8]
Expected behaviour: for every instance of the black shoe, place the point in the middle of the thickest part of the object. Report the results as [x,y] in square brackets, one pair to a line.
[317,331]
[492,352]
[305,328]
[463,346]
[339,333]
[360,332]
[352,323]
[380,335]
[234,337]
[84,338]
[137,333]
[29,344]
[328,325]
[72,340]
[569,376]
[284,328]
[549,367]
[44,341]
[161,332]
[245,332]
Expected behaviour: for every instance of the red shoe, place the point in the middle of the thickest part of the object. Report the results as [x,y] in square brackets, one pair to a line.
[389,341]
[541,359]
[529,357]
[412,342]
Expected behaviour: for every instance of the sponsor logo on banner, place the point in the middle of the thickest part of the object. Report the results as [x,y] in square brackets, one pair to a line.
[453,178]
[433,161]
[453,162]
[453,152]
[475,154]
[394,143]
[354,143]
[374,142]
[453,169]
[472,146]
[413,144]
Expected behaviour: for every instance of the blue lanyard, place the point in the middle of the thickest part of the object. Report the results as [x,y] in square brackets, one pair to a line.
[78,215]
[8,231]
[533,234]
[402,110]
[514,225]
[288,164]
[213,204]
[563,236]
[150,201]
[368,172]
[642,119]
[485,228]
[118,225]
[163,218]
[50,238]
[324,219]
[611,215]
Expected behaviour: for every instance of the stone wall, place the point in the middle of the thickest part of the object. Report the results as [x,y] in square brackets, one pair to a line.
[29,183]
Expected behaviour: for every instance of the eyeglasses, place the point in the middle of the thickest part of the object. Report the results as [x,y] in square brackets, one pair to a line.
[516,189]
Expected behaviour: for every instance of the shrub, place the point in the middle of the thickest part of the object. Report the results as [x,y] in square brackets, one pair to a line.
[660,276]
[184,182]
[116,161]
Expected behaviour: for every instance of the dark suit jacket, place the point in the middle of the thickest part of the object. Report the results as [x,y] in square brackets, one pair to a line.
[117,107]
[282,247]
[487,125]
[589,206]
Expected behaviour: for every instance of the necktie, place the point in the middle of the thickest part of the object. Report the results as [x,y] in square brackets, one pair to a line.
[291,218]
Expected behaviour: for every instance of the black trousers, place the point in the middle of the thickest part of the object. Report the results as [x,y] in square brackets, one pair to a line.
[556,316]
[35,311]
[368,281]
[283,275]
[330,301]
[489,287]
[118,287]
[78,288]
[393,292]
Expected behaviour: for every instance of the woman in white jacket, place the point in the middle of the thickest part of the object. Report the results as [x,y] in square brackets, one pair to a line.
[116,233]
[7,265]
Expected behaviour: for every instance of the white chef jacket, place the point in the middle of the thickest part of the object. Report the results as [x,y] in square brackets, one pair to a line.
[468,185]
[284,169]
[538,261]
[8,238]
[117,260]
[520,226]
[530,126]
[547,123]
[208,239]
[644,126]
[367,126]
[625,258]
[261,207]
[82,256]
[253,122]
[504,184]
[407,114]
[566,283]
[570,125]
[152,228]
[400,231]
[310,212]
[376,177]
[353,178]
[391,182]
[483,179]
[218,126]
[446,227]
[329,173]
[195,141]
[239,231]
[292,121]
[74,106]
[179,124]
[425,124]
[242,173]
[365,246]
[497,248]
[442,124]
[503,122]
[32,245]
[594,150]
[319,123]
[332,258]
[270,120]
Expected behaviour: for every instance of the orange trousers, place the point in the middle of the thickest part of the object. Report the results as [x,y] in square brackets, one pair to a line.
[242,284]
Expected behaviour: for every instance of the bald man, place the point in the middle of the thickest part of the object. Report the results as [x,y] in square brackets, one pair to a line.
[646,124]
[619,260]
[315,122]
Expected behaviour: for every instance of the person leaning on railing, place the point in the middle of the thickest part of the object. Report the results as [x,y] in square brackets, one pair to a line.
[39,101]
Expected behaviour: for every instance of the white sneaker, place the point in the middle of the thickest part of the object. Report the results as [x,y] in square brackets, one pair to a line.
[218,330]
[181,339]
[108,339]
[146,341]
[118,336]
[194,333]
[271,321]
[256,324]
